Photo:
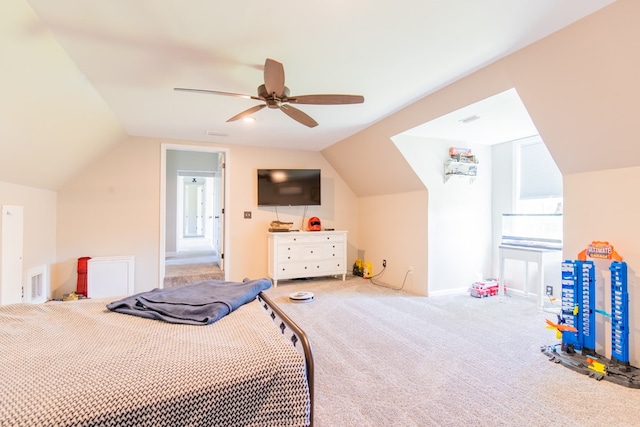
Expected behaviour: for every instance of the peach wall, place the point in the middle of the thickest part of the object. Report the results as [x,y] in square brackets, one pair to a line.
[53,120]
[339,205]
[113,208]
[372,151]
[581,89]
[384,222]
[603,205]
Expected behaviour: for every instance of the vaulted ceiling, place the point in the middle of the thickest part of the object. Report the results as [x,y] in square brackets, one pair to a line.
[80,75]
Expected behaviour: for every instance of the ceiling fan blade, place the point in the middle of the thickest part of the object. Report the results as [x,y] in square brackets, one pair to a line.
[217,92]
[274,77]
[325,99]
[298,116]
[247,113]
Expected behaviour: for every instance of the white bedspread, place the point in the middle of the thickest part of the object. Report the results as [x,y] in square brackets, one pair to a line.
[78,364]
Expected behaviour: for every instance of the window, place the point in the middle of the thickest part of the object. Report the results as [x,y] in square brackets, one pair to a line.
[539,181]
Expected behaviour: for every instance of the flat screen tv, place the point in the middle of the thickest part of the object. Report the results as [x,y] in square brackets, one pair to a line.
[288,187]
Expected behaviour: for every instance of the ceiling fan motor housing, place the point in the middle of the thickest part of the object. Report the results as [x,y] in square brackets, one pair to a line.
[272,100]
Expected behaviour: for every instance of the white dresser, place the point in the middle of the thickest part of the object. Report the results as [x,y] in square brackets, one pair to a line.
[299,254]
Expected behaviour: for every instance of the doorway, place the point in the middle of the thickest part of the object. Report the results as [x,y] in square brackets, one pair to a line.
[197,211]
[192,227]
[194,205]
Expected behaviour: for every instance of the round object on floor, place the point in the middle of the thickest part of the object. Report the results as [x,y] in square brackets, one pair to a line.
[301,296]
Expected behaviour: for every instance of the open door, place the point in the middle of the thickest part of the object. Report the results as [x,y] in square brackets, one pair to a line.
[219,218]
[193,197]
[11,241]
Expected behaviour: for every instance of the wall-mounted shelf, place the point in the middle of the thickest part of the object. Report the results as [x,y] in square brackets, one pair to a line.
[456,169]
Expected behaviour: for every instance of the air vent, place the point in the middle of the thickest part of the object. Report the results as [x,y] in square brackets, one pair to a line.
[37,290]
[214,133]
[469,119]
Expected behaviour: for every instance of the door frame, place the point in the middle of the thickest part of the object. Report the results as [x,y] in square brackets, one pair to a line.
[225,255]
[11,251]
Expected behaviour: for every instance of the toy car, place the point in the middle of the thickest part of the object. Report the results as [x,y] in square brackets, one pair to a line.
[489,287]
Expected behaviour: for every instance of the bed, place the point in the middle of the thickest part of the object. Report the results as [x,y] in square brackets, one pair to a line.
[77,363]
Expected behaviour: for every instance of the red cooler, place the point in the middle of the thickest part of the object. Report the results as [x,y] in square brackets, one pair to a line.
[82,275]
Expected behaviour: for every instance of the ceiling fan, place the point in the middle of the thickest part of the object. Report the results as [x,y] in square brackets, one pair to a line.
[275,94]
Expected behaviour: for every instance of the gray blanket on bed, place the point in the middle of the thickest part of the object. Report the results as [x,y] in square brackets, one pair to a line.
[197,304]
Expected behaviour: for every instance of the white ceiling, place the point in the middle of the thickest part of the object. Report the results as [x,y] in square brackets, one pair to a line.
[393,53]
[499,118]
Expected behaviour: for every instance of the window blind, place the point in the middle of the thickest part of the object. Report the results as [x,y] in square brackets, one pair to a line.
[539,174]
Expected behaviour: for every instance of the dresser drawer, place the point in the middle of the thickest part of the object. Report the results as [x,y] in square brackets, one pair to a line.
[333,238]
[335,266]
[333,250]
[307,254]
[289,252]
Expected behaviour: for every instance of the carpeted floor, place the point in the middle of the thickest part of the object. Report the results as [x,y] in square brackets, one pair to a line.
[191,267]
[387,358]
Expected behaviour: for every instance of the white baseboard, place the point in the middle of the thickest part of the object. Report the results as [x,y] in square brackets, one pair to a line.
[456,291]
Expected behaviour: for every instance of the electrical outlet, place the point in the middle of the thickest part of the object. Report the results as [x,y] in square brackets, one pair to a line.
[411,269]
[384,263]
[549,290]
[247,214]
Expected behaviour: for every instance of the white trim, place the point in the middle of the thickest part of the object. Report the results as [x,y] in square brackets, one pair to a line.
[456,291]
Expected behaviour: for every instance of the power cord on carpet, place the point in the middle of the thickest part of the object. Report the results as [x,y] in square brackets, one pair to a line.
[388,287]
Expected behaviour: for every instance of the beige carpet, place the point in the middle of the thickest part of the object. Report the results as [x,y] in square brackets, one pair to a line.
[387,358]
[191,267]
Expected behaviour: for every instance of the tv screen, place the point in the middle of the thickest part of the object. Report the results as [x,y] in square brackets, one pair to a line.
[288,187]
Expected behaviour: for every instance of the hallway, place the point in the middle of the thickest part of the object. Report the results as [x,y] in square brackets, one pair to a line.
[196,263]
